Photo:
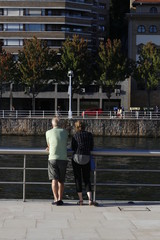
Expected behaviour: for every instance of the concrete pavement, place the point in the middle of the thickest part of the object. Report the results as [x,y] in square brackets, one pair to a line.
[111,220]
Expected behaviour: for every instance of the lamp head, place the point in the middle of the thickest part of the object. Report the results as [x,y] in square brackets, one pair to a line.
[70,73]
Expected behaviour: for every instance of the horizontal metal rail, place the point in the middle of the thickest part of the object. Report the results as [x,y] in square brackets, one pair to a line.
[40,114]
[97,152]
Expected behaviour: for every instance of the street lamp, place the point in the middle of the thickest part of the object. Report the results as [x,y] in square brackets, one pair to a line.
[70,75]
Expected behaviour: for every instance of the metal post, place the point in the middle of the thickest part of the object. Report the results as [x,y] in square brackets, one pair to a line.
[70,96]
[70,75]
[11,97]
[150,115]
[95,181]
[24,178]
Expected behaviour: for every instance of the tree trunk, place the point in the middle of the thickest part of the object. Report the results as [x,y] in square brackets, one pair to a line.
[33,103]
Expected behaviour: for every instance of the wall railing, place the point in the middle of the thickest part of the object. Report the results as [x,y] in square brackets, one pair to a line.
[105,153]
[40,114]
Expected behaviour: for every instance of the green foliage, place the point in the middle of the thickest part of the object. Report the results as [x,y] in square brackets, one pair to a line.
[7,68]
[147,71]
[76,57]
[35,63]
[113,66]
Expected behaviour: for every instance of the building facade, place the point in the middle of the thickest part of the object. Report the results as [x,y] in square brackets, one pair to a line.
[143,27]
[54,21]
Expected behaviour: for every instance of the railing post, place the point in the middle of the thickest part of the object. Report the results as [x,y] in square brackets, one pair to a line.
[83,115]
[30,114]
[110,114]
[3,113]
[16,114]
[150,115]
[137,113]
[43,114]
[24,178]
[96,114]
[95,181]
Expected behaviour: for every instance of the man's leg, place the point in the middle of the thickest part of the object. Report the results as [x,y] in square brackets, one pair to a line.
[55,190]
[60,190]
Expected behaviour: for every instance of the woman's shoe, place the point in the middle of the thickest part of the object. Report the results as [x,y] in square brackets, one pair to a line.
[80,202]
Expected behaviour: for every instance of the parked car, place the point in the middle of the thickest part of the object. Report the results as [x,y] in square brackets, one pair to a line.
[92,112]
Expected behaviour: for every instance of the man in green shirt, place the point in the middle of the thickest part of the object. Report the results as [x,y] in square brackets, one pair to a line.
[57,162]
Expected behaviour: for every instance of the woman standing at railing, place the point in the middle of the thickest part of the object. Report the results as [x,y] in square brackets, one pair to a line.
[82,144]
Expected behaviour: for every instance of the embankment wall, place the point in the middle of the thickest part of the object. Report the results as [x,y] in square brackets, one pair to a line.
[99,127]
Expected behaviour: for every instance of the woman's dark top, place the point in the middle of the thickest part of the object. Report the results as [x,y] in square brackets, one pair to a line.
[82,142]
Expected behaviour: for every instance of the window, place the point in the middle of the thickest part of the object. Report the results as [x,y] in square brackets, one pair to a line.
[67,29]
[152,29]
[34,27]
[33,12]
[153,10]
[101,17]
[141,29]
[102,6]
[13,42]
[77,30]
[13,27]
[1,11]
[102,28]
[1,27]
[13,12]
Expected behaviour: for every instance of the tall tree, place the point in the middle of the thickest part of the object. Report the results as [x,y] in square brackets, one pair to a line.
[147,71]
[35,63]
[114,67]
[7,71]
[76,57]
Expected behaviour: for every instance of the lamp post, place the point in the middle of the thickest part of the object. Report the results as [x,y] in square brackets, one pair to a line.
[70,75]
[11,97]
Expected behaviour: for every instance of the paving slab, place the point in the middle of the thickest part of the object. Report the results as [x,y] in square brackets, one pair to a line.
[40,220]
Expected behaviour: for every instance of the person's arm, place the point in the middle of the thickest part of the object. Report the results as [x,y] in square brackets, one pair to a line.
[74,144]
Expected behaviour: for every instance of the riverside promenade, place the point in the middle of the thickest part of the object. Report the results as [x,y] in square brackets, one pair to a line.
[111,220]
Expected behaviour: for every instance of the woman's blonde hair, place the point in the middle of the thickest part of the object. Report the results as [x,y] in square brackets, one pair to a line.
[79,125]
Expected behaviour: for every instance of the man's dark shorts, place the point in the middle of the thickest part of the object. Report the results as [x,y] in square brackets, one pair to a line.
[57,170]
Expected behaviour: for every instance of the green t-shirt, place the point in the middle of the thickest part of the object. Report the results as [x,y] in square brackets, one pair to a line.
[57,142]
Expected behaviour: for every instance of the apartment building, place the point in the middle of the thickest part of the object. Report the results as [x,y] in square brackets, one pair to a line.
[144,18]
[54,21]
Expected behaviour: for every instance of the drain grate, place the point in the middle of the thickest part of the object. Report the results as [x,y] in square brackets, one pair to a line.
[134,209]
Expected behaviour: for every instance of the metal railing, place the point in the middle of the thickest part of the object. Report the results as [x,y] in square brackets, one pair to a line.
[40,114]
[95,153]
